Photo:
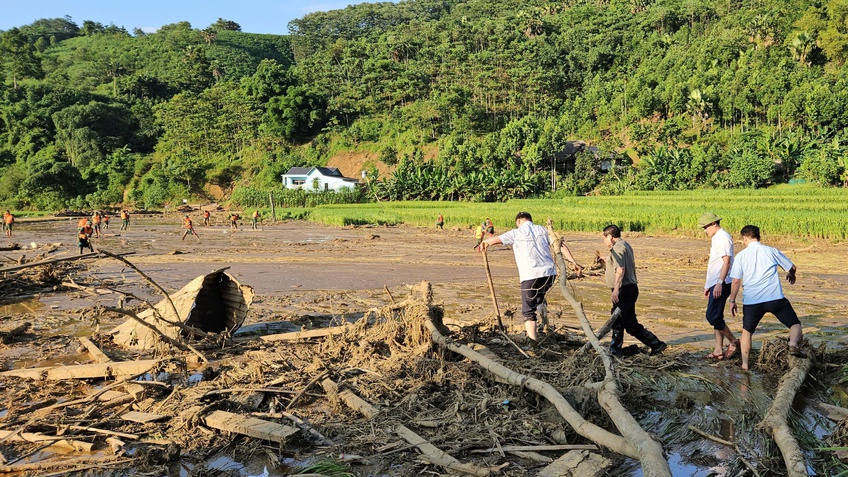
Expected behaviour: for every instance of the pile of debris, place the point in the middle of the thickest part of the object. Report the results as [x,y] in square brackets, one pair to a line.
[395,393]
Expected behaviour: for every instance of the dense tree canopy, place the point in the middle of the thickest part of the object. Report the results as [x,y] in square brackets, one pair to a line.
[464,99]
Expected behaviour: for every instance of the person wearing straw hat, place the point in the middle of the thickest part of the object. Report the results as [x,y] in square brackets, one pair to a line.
[755,270]
[717,286]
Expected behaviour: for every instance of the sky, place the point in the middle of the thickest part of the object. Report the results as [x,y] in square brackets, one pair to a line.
[254,16]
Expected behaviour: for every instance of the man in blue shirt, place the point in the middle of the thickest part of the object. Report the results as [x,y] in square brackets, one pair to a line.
[755,269]
[536,268]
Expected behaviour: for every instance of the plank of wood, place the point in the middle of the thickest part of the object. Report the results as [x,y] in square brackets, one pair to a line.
[96,353]
[302,335]
[86,371]
[55,260]
[142,417]
[350,399]
[249,426]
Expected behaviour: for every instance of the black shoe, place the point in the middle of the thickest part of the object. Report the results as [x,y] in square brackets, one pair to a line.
[659,349]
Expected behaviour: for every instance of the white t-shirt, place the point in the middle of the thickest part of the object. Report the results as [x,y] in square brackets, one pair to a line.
[722,246]
[532,251]
[757,266]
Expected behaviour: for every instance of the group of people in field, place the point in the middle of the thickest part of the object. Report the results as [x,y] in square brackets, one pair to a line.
[89,227]
[255,222]
[755,269]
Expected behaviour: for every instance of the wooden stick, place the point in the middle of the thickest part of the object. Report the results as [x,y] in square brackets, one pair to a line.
[711,437]
[389,293]
[90,463]
[85,371]
[148,279]
[492,289]
[305,388]
[556,447]
[105,432]
[603,330]
[495,304]
[48,262]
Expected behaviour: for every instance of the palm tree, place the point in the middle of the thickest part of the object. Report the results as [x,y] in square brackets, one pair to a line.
[801,47]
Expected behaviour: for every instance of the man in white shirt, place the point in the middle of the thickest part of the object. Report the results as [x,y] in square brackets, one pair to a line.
[536,268]
[755,269]
[717,286]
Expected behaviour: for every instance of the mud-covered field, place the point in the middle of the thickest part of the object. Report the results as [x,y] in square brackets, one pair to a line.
[311,276]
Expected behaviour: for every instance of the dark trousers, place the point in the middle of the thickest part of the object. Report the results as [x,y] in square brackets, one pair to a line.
[627,296]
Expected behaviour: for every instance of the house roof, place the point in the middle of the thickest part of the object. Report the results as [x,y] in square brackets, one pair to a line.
[324,171]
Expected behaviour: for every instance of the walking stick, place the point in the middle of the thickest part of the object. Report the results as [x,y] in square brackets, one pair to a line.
[492,289]
[495,303]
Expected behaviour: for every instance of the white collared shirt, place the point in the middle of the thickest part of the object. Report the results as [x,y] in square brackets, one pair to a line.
[721,246]
[757,266]
[532,251]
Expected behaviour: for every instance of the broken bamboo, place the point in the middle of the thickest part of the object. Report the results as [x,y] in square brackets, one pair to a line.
[775,420]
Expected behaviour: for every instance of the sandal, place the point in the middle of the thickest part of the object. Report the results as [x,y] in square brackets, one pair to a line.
[731,349]
[712,355]
[797,352]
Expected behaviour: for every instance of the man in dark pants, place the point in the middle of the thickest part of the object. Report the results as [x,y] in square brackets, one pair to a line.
[621,279]
[536,268]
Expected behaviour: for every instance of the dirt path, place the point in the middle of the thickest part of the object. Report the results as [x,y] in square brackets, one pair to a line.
[300,268]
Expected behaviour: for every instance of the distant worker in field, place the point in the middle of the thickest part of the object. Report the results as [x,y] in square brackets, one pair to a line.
[189,225]
[8,223]
[479,234]
[621,279]
[755,269]
[440,222]
[536,268]
[106,221]
[717,286]
[95,222]
[84,236]
[234,221]
[125,219]
[254,222]
[490,227]
[206,216]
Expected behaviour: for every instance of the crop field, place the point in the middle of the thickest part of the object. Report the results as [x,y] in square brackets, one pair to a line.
[787,211]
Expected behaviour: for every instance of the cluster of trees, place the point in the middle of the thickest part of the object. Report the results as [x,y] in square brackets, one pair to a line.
[464,99]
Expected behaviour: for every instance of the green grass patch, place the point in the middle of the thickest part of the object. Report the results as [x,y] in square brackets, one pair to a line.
[781,211]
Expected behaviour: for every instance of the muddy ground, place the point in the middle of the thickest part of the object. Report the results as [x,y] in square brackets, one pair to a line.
[310,274]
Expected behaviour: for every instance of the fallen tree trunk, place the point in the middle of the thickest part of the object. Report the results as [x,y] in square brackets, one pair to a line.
[583,427]
[776,423]
[649,450]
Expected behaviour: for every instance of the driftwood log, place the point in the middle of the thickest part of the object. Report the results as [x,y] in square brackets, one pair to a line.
[776,423]
[650,452]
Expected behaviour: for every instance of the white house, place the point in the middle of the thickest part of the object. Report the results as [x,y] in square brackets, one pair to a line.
[325,178]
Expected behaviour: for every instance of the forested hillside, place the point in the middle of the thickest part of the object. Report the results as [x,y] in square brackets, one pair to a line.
[464,100]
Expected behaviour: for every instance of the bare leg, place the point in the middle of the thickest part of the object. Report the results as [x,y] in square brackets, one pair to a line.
[719,343]
[795,334]
[747,340]
[530,326]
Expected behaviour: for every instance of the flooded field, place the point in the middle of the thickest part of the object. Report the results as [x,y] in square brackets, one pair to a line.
[310,275]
